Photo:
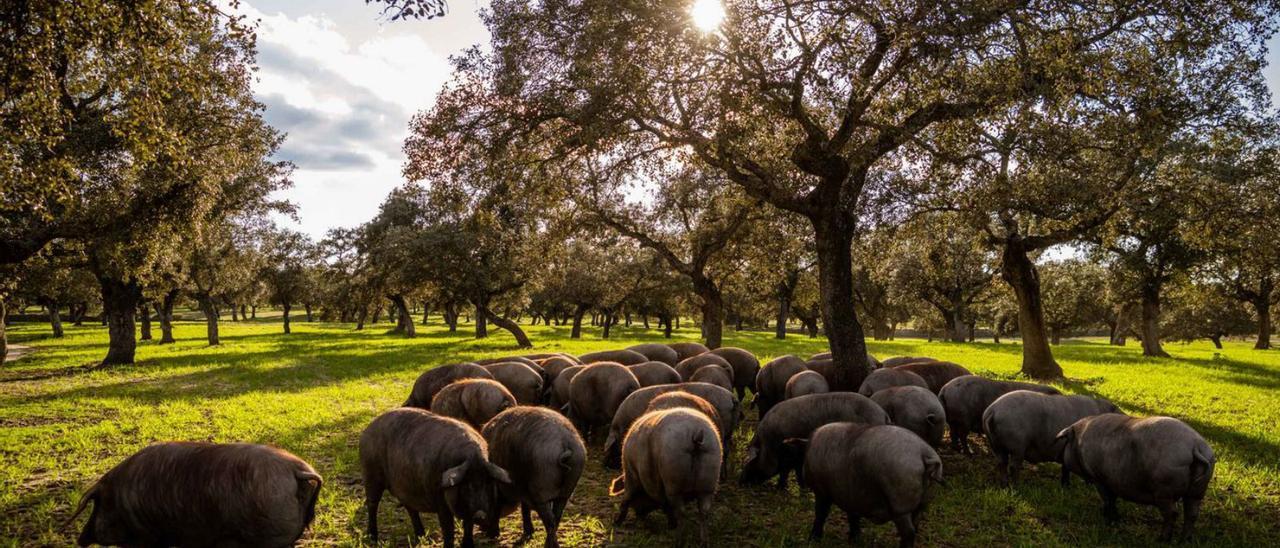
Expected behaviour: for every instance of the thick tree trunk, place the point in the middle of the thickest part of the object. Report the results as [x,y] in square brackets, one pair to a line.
[287,307]
[307,308]
[482,325]
[1021,275]
[404,318]
[607,321]
[360,317]
[578,313]
[833,234]
[512,327]
[4,336]
[377,314]
[144,322]
[426,313]
[235,316]
[811,326]
[1262,306]
[451,316]
[1118,332]
[55,319]
[666,331]
[119,304]
[712,311]
[645,317]
[210,319]
[164,311]
[784,312]
[1217,341]
[1151,321]
[1055,337]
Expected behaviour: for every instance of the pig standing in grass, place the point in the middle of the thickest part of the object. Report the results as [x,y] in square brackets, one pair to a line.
[202,494]
[936,373]
[724,402]
[689,366]
[915,409]
[768,455]
[425,388]
[624,357]
[1024,426]
[903,360]
[431,464]
[558,396]
[881,379]
[596,392]
[1156,460]
[880,473]
[771,382]
[745,368]
[524,382]
[686,350]
[713,375]
[805,383]
[654,373]
[544,456]
[473,401]
[657,352]
[670,458]
[552,366]
[966,397]
[679,399]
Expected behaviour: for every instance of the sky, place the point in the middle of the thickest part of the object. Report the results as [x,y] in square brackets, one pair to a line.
[343,81]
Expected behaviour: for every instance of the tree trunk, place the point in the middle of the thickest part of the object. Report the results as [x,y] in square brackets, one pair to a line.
[451,316]
[811,326]
[403,316]
[628,319]
[164,310]
[55,319]
[482,325]
[1151,321]
[287,307]
[512,327]
[712,311]
[1021,275]
[144,321]
[235,317]
[210,318]
[4,336]
[833,234]
[377,314]
[120,303]
[578,312]
[1262,306]
[645,317]
[607,321]
[666,331]
[784,312]
[1118,333]
[1054,337]
[1217,341]
[426,313]
[253,311]
[360,317]
[77,316]
[307,308]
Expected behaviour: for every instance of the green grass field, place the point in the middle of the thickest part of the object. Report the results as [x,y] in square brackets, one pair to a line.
[312,392]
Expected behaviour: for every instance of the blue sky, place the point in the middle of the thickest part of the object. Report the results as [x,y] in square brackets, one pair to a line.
[343,82]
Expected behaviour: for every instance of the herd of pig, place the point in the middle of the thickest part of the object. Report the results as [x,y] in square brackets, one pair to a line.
[476,441]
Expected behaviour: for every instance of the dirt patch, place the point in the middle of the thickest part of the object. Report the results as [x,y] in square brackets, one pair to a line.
[17,351]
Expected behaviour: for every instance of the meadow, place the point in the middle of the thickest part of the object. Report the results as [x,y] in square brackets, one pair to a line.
[62,424]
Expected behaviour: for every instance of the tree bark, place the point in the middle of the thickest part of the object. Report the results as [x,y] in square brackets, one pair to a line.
[712,311]
[307,308]
[606,322]
[1054,336]
[1217,341]
[55,319]
[1118,332]
[144,321]
[403,317]
[1262,306]
[164,309]
[666,331]
[120,303]
[210,319]
[1021,274]
[287,307]
[784,312]
[833,234]
[522,340]
[578,313]
[482,326]
[253,312]
[4,336]
[360,317]
[1151,321]
[235,316]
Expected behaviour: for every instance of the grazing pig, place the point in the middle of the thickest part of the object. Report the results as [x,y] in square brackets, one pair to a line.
[558,396]
[914,408]
[965,398]
[904,360]
[805,383]
[654,373]
[511,359]
[686,350]
[432,464]
[936,373]
[768,455]
[1023,426]
[838,383]
[548,355]
[432,381]
[713,375]
[201,494]
[687,367]
[880,473]
[670,458]
[551,367]
[1155,460]
[657,352]
[771,383]
[881,379]
[679,399]
[596,392]
[624,357]
[473,401]
[544,456]
[726,406]
[745,368]
[821,356]
[523,381]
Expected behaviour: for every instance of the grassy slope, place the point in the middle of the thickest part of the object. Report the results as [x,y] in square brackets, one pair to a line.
[312,393]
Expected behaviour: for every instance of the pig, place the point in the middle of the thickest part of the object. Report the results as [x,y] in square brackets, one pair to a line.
[679,399]
[936,373]
[966,397]
[820,356]
[433,464]
[670,458]
[524,382]
[903,360]
[805,383]
[745,368]
[713,375]
[433,380]
[201,494]
[624,357]
[1023,426]
[914,408]
[771,382]
[551,368]
[688,366]
[767,453]
[1155,460]
[871,360]
[726,406]
[558,396]
[686,350]
[654,373]
[531,363]
[548,355]
[881,473]
[884,378]
[473,401]
[657,352]
[544,456]
[838,383]
[596,392]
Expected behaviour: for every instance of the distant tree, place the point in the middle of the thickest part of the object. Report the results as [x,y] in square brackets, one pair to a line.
[287,256]
[221,258]
[53,280]
[943,263]
[1073,292]
[1199,310]
[877,295]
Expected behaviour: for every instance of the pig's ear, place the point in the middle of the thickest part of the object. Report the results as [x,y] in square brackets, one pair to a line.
[932,419]
[497,473]
[453,476]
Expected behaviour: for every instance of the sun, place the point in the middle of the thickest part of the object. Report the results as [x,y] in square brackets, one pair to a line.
[707,14]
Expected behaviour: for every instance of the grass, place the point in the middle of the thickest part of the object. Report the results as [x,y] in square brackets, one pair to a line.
[312,392]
